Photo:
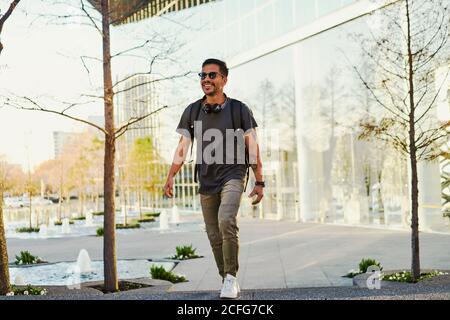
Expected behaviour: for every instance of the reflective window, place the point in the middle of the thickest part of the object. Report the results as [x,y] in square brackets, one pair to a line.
[305,11]
[265,29]
[284,18]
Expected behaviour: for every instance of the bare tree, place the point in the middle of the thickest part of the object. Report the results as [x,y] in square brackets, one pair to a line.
[5,17]
[4,269]
[5,286]
[110,131]
[404,55]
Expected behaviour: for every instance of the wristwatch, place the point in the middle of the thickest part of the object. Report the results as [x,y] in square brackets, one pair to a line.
[260,183]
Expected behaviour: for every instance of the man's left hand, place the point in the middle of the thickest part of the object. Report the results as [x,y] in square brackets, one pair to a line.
[259,191]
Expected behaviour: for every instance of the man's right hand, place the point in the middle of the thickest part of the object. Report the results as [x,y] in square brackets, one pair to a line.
[168,188]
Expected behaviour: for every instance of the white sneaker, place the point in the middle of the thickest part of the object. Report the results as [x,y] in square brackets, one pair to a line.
[230,288]
[237,283]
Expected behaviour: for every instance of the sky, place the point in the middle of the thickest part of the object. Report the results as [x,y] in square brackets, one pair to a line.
[41,59]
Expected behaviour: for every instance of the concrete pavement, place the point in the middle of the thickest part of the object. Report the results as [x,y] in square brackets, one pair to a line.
[273,254]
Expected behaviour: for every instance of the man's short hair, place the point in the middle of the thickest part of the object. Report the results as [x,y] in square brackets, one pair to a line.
[222,65]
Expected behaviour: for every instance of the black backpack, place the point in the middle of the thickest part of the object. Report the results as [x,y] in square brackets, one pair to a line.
[237,124]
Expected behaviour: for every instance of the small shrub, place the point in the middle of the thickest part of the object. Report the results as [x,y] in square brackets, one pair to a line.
[366,263]
[161,274]
[26,257]
[363,266]
[100,232]
[146,220]
[99,213]
[78,218]
[27,230]
[152,214]
[128,226]
[185,253]
[59,223]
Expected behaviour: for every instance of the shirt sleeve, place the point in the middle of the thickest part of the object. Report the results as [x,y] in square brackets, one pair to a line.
[248,121]
[183,125]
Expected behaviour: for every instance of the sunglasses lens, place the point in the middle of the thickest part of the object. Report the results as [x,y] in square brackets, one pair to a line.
[203,75]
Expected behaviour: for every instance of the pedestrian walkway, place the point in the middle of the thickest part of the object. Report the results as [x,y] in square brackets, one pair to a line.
[273,254]
[282,255]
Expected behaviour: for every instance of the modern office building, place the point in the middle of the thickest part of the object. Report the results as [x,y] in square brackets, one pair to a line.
[137,97]
[293,62]
[60,138]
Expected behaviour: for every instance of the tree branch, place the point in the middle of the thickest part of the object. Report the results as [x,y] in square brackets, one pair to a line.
[152,81]
[37,107]
[5,17]
[120,131]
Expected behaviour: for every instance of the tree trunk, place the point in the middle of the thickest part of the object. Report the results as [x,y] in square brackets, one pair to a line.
[31,212]
[140,201]
[415,253]
[4,269]
[109,244]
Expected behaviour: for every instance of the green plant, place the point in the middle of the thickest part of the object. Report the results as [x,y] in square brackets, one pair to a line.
[28,291]
[152,214]
[185,253]
[59,223]
[26,257]
[147,219]
[78,218]
[128,226]
[27,230]
[364,264]
[100,213]
[100,232]
[162,274]
[406,276]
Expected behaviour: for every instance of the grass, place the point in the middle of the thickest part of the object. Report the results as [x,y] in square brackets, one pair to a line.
[162,274]
[27,230]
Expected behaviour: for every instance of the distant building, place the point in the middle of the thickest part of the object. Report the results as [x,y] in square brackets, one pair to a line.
[136,97]
[59,139]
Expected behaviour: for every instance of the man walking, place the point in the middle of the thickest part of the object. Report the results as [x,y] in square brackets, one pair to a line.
[226,148]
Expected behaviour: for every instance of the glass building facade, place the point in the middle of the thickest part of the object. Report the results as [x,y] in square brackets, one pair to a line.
[289,61]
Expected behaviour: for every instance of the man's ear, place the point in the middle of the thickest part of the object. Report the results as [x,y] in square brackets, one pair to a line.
[225,80]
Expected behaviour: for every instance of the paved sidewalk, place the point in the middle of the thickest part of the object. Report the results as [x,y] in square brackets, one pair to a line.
[273,254]
[282,255]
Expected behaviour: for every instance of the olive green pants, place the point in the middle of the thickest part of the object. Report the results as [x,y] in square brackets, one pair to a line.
[220,215]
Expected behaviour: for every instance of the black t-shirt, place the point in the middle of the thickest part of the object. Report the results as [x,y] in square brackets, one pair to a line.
[216,169]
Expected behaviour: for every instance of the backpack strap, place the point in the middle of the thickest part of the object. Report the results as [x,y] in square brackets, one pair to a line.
[195,111]
[238,124]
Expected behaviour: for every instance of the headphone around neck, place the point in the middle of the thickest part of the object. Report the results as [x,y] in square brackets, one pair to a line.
[214,108]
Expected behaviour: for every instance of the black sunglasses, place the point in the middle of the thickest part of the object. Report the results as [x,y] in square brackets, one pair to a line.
[211,75]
